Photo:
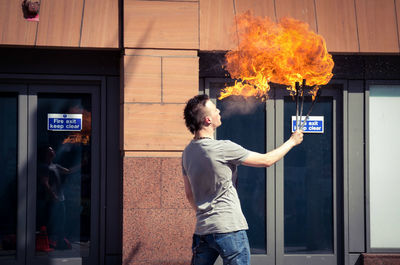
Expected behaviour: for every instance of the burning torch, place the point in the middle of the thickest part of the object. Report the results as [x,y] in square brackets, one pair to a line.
[287,53]
[300,94]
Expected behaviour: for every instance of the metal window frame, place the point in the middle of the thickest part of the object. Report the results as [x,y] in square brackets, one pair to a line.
[341,175]
[338,183]
[367,166]
[22,170]
[28,141]
[353,170]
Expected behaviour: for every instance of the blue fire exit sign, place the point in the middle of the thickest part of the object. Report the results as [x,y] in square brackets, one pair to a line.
[314,124]
[64,122]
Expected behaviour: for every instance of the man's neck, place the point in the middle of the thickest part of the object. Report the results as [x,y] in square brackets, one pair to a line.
[204,133]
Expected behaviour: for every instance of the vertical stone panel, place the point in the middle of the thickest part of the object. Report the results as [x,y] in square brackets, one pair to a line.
[397,4]
[60,23]
[14,28]
[157,236]
[156,127]
[161,24]
[142,188]
[180,79]
[377,26]
[303,10]
[380,259]
[337,24]
[217,25]
[157,233]
[157,85]
[142,79]
[263,8]
[100,27]
[172,195]
[217,20]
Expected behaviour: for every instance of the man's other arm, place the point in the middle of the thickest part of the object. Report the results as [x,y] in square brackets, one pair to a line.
[188,192]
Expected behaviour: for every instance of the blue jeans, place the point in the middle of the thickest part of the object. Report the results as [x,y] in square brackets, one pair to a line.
[233,247]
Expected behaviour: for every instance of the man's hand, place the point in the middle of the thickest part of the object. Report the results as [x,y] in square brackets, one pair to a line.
[297,137]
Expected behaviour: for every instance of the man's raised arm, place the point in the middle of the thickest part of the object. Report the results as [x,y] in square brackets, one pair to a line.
[255,159]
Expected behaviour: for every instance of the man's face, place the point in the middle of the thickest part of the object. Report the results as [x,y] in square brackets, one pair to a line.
[50,153]
[213,114]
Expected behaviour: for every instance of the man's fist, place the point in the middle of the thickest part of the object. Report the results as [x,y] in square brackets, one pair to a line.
[297,137]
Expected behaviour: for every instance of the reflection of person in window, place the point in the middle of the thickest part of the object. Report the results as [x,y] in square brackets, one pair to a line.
[51,178]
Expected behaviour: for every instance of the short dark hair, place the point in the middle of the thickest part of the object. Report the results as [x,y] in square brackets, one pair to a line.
[42,152]
[193,113]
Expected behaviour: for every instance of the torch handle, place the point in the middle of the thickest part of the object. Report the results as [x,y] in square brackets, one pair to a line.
[309,112]
[297,105]
[303,86]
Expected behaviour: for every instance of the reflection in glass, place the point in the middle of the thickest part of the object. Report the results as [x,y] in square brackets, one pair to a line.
[243,122]
[8,174]
[308,185]
[63,178]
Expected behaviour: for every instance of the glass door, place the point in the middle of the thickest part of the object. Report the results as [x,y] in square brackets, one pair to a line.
[50,174]
[13,170]
[9,173]
[63,195]
[293,207]
[308,183]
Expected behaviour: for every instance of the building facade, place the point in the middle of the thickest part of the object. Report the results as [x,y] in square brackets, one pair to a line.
[91,100]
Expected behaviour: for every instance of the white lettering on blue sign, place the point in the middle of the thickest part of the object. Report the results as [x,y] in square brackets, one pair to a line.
[314,124]
[64,122]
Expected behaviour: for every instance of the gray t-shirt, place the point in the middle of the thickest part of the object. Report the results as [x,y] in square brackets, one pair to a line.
[211,167]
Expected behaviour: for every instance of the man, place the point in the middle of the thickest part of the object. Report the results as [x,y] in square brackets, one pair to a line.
[209,169]
[51,197]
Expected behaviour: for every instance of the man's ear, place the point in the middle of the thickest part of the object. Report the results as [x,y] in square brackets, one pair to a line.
[207,120]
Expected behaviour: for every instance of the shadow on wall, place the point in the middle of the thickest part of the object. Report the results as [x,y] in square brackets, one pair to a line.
[130,260]
[141,42]
[130,64]
[134,251]
[359,260]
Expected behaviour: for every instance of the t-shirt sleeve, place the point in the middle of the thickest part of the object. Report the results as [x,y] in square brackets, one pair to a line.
[183,168]
[234,153]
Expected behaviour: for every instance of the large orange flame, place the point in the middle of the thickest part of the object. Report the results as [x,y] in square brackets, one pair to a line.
[82,136]
[283,53]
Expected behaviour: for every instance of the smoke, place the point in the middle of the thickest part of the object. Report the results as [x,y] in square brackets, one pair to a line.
[238,105]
